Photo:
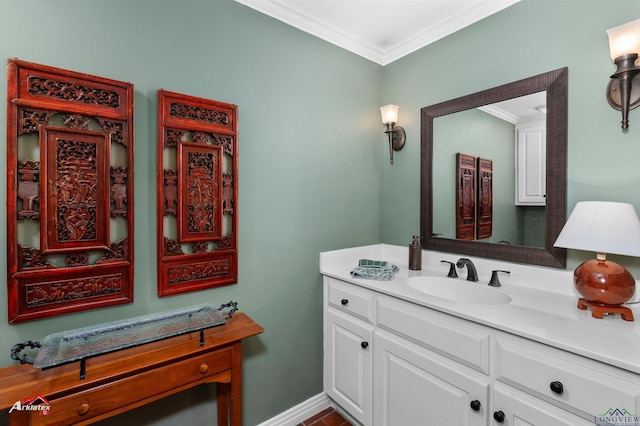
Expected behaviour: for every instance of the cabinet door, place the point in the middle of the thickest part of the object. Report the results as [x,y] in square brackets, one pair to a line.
[414,386]
[531,162]
[572,382]
[518,409]
[348,363]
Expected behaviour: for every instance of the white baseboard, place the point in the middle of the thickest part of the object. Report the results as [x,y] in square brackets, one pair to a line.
[301,412]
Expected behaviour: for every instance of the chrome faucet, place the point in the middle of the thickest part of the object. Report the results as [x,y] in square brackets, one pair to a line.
[472,274]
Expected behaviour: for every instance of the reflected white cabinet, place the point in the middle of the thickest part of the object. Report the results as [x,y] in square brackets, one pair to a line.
[531,149]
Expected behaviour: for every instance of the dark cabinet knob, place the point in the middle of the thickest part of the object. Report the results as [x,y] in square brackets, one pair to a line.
[556,387]
[364,345]
[344,301]
[498,416]
[475,405]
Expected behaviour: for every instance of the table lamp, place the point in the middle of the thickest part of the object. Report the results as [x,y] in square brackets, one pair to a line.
[603,227]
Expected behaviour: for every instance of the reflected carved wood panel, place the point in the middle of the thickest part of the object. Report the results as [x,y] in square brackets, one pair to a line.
[465,197]
[485,198]
[197,192]
[69,191]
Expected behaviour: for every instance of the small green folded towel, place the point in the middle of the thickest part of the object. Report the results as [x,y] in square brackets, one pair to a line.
[374,270]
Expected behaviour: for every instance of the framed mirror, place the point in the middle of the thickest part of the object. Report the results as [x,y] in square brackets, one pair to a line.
[433,198]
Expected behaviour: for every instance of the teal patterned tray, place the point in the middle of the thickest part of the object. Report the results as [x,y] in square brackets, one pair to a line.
[86,342]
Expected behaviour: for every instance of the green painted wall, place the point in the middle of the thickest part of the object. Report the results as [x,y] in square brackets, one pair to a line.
[310,166]
[528,38]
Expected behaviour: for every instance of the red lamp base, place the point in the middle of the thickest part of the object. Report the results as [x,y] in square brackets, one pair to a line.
[598,310]
[605,285]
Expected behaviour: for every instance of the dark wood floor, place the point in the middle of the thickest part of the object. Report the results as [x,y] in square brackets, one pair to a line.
[327,417]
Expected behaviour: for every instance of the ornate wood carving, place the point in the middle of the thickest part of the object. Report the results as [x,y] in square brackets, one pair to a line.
[199,193]
[74,191]
[485,198]
[28,188]
[197,189]
[465,197]
[67,184]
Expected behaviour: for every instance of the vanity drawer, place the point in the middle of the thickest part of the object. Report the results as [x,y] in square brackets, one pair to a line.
[96,402]
[442,333]
[350,298]
[566,379]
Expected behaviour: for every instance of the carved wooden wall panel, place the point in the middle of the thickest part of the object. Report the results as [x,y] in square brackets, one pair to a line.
[465,197]
[69,191]
[197,192]
[485,198]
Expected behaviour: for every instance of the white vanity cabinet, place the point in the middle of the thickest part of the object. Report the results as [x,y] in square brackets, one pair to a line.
[423,366]
[531,163]
[427,367]
[413,386]
[518,409]
[576,384]
[348,357]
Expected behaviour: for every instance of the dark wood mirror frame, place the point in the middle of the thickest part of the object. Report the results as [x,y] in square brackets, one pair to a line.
[555,83]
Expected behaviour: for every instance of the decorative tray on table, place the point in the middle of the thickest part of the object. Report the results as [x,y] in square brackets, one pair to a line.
[87,342]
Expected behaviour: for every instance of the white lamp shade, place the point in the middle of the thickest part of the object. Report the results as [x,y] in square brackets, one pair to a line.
[602,227]
[389,113]
[624,39]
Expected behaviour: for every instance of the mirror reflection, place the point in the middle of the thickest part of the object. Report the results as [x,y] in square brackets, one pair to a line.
[511,135]
[526,180]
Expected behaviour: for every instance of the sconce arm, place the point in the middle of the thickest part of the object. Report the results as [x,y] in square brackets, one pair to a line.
[622,95]
[397,138]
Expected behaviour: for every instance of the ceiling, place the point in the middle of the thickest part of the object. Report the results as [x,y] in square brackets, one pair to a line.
[379,30]
[521,108]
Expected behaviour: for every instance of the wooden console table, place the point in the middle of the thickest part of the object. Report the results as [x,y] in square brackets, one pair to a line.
[133,377]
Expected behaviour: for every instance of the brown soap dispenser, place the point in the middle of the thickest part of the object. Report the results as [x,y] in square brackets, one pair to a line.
[415,253]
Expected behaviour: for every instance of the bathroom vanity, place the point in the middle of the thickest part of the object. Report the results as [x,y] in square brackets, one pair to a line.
[427,349]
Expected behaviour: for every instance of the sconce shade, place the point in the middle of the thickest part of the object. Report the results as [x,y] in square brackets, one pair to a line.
[624,39]
[389,113]
[603,227]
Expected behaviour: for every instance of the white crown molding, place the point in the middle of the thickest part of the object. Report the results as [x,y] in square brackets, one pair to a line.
[300,20]
[454,23]
[497,112]
[303,21]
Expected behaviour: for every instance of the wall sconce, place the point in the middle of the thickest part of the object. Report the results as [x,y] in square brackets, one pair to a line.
[603,227]
[624,45]
[397,135]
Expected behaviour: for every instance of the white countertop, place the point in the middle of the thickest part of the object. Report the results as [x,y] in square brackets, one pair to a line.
[543,306]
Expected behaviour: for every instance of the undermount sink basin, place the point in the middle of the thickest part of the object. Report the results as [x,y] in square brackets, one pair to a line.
[458,290]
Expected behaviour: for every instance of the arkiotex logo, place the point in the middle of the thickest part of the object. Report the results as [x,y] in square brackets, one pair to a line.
[617,417]
[37,403]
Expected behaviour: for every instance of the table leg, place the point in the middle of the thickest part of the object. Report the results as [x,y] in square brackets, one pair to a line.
[223,403]
[229,398]
[236,385]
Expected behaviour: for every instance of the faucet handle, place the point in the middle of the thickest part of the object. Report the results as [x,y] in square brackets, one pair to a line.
[452,269]
[495,281]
